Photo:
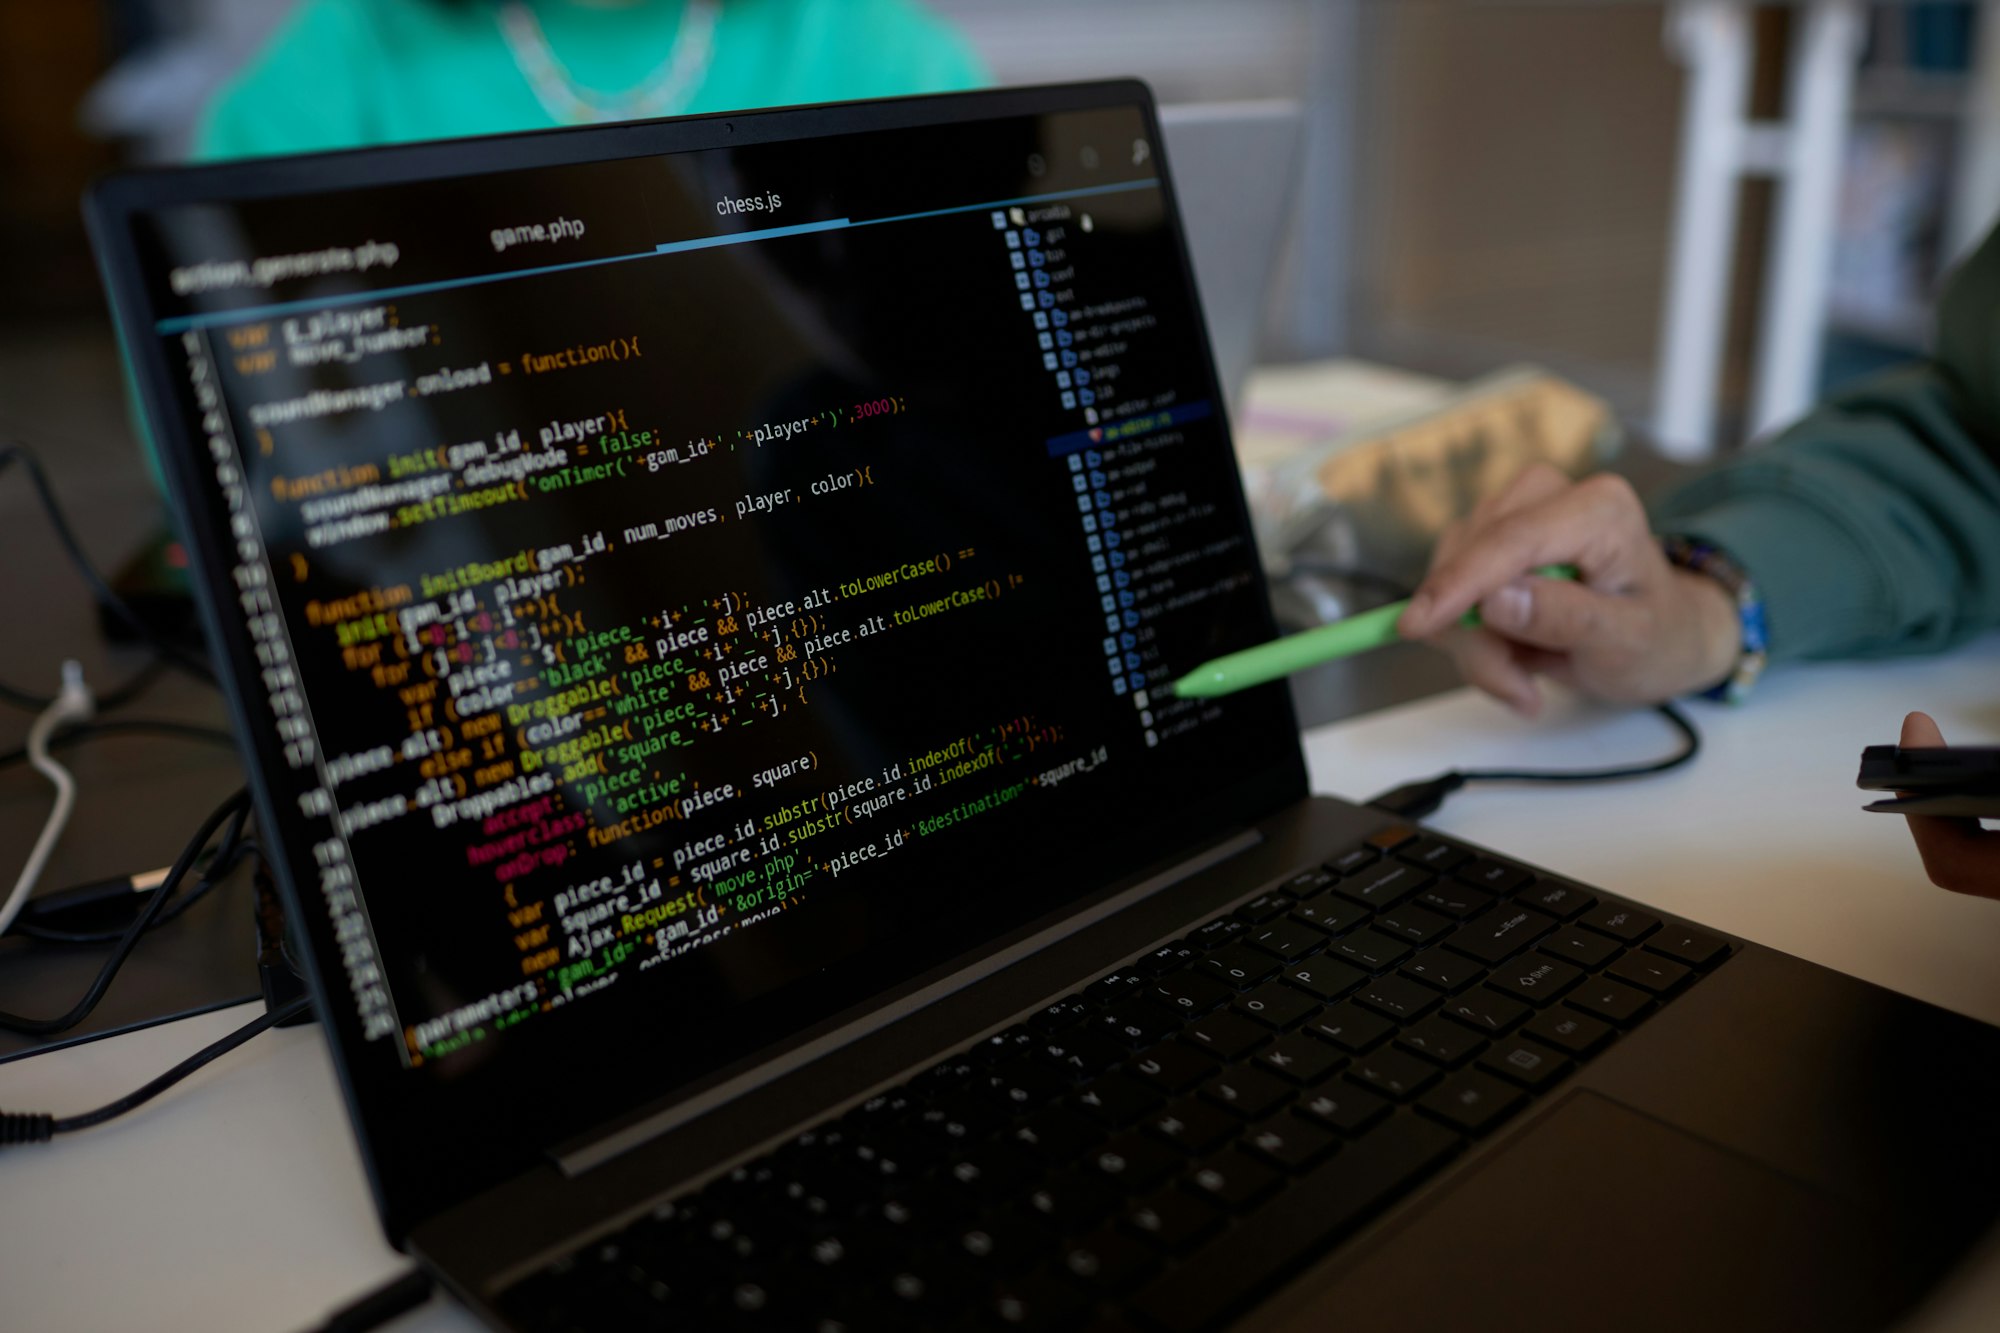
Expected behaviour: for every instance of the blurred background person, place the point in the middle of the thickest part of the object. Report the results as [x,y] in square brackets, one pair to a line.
[339,73]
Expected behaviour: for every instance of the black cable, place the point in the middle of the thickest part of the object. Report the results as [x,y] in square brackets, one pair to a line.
[18,1127]
[235,848]
[1414,800]
[156,902]
[102,591]
[399,1295]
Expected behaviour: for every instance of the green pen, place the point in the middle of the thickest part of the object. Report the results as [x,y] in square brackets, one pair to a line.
[1296,652]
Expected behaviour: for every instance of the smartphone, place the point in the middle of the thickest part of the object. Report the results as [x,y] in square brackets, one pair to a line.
[1962,780]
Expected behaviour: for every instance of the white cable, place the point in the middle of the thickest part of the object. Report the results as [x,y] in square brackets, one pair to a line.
[72,704]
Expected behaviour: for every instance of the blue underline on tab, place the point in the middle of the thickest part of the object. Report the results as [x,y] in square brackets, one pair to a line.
[733,238]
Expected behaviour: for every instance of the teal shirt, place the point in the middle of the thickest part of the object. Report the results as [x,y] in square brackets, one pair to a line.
[341,73]
[1872,526]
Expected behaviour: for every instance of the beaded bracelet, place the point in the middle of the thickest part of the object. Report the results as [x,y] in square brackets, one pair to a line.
[1703,558]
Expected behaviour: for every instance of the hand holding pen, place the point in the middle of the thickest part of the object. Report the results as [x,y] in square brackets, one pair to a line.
[1630,628]
[1545,577]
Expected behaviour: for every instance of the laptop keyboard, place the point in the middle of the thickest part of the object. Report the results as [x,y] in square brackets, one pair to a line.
[1164,1145]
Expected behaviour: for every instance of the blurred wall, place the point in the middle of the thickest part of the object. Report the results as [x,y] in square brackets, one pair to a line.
[1516,167]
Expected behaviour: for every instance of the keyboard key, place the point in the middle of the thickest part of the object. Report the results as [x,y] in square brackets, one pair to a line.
[1438,1039]
[1585,948]
[1114,986]
[1321,1206]
[1398,997]
[1688,946]
[1351,1028]
[1169,958]
[1434,854]
[1191,1125]
[1119,1099]
[1018,1085]
[1454,899]
[1107,1262]
[1233,1180]
[1527,1063]
[1484,872]
[1473,1102]
[1393,1072]
[1384,883]
[1389,839]
[1063,1014]
[1500,933]
[1132,1163]
[1561,901]
[1444,969]
[1330,912]
[1567,1030]
[1018,1040]
[1073,1200]
[1324,978]
[1172,1220]
[1277,1006]
[1036,1300]
[1649,972]
[1289,1143]
[1624,923]
[1353,859]
[1487,1010]
[989,1170]
[959,1119]
[1189,992]
[1226,1036]
[1080,1055]
[1249,1093]
[1342,1106]
[1610,1001]
[1217,932]
[1370,950]
[1172,1066]
[1299,1059]
[1278,901]
[1135,1023]
[1412,924]
[1001,1242]
[1238,967]
[1056,1136]
[1288,941]
[1536,978]
[1306,883]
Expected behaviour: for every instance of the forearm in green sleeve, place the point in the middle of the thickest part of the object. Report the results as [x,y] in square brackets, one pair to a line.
[1871,527]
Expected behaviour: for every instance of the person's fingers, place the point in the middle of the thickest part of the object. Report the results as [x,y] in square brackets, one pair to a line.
[1532,485]
[1488,663]
[1957,853]
[1920,732]
[1554,613]
[1585,525]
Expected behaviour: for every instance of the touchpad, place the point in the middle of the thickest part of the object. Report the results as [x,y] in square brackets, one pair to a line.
[1601,1217]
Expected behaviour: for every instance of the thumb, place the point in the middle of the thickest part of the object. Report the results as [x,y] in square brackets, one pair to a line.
[1921,732]
[1958,854]
[1553,613]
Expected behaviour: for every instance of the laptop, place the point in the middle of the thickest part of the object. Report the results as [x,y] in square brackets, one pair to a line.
[1238,166]
[696,596]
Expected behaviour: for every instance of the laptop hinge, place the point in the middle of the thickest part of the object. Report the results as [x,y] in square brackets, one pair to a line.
[576,1158]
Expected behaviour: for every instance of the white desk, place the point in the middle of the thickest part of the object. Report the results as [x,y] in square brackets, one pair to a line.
[236,1201]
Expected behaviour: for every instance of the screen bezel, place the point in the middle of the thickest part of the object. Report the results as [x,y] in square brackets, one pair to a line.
[414,1173]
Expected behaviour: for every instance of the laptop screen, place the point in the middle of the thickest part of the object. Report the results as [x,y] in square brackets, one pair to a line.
[678,596]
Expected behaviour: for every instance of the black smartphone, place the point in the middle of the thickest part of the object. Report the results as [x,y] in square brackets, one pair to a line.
[1940,780]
